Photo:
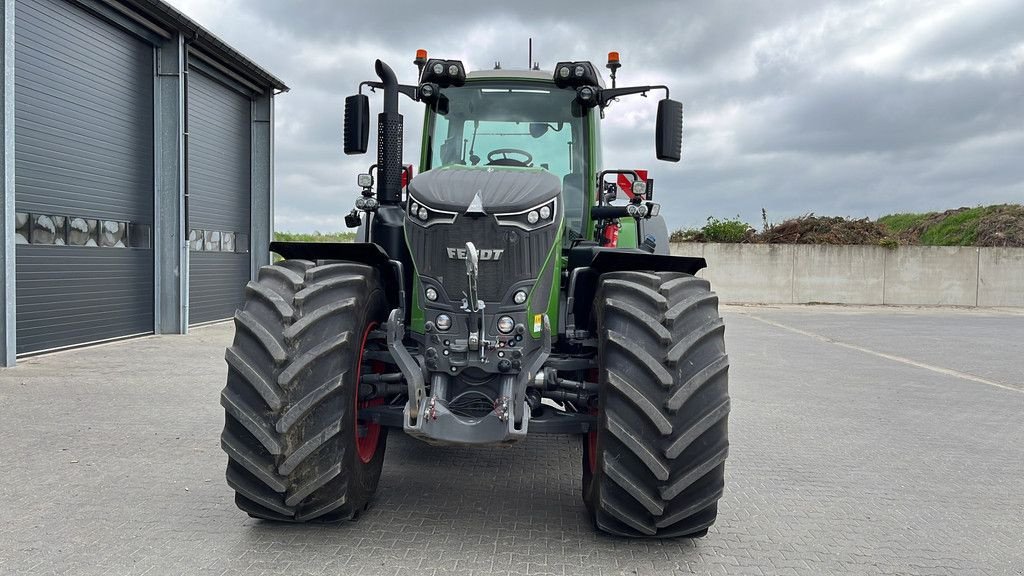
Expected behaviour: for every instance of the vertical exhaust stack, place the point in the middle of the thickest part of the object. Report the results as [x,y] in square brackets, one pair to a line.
[389,140]
[388,225]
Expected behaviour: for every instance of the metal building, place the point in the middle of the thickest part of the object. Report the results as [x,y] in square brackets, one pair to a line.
[137,170]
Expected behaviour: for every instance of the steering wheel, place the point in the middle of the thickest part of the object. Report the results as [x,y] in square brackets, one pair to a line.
[494,160]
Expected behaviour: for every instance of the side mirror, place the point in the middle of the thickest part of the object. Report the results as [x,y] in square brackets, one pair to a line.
[538,129]
[357,123]
[668,130]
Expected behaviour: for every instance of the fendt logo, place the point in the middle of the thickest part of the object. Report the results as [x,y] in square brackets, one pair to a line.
[460,254]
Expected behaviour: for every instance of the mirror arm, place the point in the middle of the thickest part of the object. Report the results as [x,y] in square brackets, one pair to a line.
[410,91]
[612,93]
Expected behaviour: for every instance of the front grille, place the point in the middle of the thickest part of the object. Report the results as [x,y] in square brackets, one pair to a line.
[523,256]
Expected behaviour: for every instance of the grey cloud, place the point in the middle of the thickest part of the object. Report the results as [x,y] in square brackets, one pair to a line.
[780,111]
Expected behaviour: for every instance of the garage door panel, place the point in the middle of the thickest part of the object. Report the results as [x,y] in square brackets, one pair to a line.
[95,298]
[219,184]
[73,80]
[216,285]
[84,122]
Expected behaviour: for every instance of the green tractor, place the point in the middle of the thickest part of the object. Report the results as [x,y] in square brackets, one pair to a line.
[512,287]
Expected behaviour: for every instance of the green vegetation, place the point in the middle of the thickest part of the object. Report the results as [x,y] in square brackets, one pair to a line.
[997,225]
[900,222]
[314,237]
[727,230]
[956,230]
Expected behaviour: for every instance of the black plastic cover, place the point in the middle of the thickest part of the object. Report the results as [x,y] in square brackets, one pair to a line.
[357,123]
[668,130]
[502,190]
[601,260]
[365,253]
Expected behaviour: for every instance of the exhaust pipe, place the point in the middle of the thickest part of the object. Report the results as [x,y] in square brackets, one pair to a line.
[388,224]
[389,140]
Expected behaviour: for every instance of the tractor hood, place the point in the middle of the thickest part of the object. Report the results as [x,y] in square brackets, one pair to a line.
[501,189]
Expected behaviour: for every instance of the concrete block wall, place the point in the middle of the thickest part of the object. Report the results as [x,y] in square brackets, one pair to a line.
[932,275]
[908,275]
[1001,277]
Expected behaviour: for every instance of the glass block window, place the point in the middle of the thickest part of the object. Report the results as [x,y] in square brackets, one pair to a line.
[47,229]
[113,234]
[211,241]
[21,228]
[195,240]
[82,232]
[217,241]
[140,235]
[63,230]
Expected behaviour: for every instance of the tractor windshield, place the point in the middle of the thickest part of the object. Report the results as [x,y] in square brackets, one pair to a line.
[518,125]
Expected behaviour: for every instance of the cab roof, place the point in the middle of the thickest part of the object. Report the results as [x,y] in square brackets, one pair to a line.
[505,74]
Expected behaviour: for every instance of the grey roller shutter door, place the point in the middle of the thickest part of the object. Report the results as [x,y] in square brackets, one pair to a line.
[84,152]
[219,186]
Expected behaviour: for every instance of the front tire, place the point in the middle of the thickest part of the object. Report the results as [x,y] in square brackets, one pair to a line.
[656,465]
[296,451]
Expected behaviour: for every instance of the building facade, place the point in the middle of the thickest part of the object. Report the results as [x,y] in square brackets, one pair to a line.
[137,169]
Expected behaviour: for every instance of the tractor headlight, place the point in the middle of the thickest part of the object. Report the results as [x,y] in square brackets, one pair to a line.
[531,218]
[506,324]
[587,96]
[438,68]
[426,216]
[428,91]
[431,293]
[519,297]
[443,322]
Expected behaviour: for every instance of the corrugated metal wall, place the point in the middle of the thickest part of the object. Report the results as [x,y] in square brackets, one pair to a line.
[219,185]
[84,152]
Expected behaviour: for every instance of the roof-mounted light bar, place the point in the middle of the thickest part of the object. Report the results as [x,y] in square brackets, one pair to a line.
[444,73]
[575,74]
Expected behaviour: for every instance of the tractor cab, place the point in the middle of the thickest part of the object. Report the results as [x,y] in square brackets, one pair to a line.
[514,119]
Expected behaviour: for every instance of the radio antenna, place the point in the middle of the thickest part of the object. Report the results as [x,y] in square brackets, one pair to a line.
[529,63]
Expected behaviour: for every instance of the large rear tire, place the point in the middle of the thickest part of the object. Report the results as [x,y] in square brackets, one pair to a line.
[296,451]
[656,465]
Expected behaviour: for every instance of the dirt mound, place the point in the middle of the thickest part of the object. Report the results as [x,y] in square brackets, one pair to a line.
[913,234]
[811,229]
[995,225]
[1003,226]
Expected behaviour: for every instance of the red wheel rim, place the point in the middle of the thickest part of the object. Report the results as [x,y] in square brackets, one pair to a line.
[366,445]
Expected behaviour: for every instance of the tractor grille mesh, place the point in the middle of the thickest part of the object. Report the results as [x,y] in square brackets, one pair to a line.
[523,256]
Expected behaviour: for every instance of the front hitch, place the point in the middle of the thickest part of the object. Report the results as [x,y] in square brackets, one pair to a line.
[410,368]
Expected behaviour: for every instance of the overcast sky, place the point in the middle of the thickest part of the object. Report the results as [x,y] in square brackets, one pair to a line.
[845,108]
